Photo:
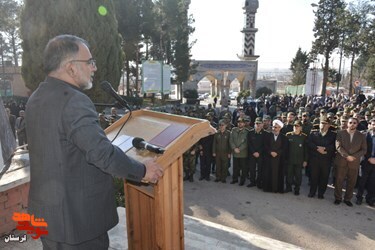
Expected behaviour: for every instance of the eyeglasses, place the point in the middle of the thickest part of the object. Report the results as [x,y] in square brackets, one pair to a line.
[91,61]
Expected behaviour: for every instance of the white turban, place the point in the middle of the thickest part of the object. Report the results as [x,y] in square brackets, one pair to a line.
[278,122]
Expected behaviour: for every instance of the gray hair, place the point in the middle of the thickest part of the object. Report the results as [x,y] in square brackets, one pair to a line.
[58,49]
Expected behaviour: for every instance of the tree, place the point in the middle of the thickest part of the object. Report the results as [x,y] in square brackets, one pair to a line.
[370,73]
[356,23]
[299,66]
[263,90]
[327,31]
[136,22]
[43,19]
[10,11]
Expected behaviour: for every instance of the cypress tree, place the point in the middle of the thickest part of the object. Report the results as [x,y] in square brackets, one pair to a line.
[44,19]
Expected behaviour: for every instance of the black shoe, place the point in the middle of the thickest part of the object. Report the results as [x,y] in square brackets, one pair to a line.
[191,179]
[232,182]
[358,201]
[251,185]
[370,203]
[310,195]
[217,180]
[337,202]
[348,203]
[186,177]
[201,178]
[296,192]
[241,183]
[320,196]
[207,178]
[224,181]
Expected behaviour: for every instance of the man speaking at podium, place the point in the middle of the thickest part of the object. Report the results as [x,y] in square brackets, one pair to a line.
[71,159]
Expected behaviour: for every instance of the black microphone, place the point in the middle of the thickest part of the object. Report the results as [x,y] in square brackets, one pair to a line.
[107,87]
[140,143]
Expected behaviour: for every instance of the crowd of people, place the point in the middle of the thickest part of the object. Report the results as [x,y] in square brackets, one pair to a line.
[16,116]
[270,142]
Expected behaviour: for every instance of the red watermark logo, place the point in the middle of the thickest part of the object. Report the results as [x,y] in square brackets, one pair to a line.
[35,227]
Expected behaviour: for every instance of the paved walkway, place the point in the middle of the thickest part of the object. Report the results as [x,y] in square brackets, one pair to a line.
[199,234]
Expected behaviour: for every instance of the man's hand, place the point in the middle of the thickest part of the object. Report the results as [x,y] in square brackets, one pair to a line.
[350,158]
[214,154]
[237,150]
[371,160]
[256,154]
[274,154]
[153,171]
[304,164]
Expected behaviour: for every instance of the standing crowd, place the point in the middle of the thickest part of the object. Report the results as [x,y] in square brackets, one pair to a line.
[268,143]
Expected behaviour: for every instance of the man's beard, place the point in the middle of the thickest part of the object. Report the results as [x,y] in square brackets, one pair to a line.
[87,86]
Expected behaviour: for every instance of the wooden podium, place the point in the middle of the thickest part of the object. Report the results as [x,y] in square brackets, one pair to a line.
[155,213]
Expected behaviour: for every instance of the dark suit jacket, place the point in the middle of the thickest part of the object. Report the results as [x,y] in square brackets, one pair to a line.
[71,163]
[369,146]
[344,147]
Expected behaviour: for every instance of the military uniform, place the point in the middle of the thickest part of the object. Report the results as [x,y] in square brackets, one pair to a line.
[238,139]
[320,164]
[297,155]
[256,145]
[221,149]
[189,163]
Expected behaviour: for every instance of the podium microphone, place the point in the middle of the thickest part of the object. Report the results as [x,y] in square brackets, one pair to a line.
[140,143]
[107,87]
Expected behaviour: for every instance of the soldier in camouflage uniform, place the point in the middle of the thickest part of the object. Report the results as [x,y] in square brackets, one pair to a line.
[267,126]
[297,157]
[189,163]
[239,146]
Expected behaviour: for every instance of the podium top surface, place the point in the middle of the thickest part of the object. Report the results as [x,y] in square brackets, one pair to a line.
[174,133]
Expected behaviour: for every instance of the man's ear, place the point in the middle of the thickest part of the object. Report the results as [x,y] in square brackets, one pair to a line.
[70,69]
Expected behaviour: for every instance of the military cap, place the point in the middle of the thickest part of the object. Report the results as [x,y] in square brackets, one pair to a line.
[367,113]
[221,122]
[297,123]
[246,118]
[226,116]
[316,121]
[330,114]
[325,120]
[266,117]
[306,113]
[259,120]
[344,118]
[323,111]
[240,119]
[291,113]
[284,114]
[210,114]
[339,113]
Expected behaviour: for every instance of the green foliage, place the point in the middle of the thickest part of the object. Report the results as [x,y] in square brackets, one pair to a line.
[356,22]
[44,19]
[119,192]
[370,73]
[9,27]
[327,30]
[191,93]
[243,94]
[299,66]
[261,91]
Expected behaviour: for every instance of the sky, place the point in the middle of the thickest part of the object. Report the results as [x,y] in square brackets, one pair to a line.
[283,27]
